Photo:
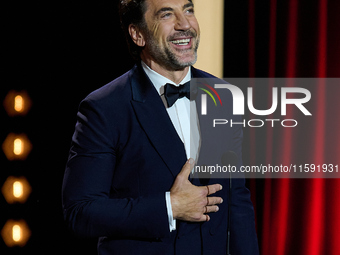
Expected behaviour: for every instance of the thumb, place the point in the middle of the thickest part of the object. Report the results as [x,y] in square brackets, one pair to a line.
[186,169]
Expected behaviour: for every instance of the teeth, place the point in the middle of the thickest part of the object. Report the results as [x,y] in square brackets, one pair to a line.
[181,42]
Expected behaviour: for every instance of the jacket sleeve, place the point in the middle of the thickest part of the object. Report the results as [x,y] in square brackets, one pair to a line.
[87,206]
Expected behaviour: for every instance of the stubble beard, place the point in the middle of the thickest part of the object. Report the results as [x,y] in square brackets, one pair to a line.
[166,56]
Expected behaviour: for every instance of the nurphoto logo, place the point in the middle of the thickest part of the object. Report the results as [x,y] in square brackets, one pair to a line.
[204,97]
[296,96]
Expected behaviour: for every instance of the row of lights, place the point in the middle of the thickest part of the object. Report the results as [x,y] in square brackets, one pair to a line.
[16,189]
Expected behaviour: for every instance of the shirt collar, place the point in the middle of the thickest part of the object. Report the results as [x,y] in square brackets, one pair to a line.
[159,80]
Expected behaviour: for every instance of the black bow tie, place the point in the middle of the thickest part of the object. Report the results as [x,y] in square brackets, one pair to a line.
[172,92]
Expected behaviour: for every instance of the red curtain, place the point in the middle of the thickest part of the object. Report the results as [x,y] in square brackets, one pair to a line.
[297,216]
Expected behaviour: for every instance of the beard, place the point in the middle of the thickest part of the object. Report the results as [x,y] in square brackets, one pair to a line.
[167,56]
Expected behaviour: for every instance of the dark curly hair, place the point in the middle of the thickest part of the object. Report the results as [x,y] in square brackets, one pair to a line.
[132,12]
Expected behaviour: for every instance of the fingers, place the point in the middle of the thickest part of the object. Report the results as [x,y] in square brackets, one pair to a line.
[204,217]
[214,200]
[190,202]
[186,169]
[211,209]
[213,188]
[212,203]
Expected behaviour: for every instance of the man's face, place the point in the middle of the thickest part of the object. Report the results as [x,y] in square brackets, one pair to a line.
[172,33]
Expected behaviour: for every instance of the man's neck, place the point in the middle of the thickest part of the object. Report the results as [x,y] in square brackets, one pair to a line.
[174,75]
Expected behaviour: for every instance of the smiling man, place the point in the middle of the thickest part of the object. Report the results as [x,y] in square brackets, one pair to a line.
[126,180]
[169,37]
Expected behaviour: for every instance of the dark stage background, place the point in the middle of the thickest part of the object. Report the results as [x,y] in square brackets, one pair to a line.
[60,51]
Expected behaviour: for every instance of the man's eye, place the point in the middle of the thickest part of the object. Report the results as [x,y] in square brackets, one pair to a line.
[191,10]
[166,15]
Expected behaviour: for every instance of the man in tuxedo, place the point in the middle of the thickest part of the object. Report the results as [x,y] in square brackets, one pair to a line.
[127,177]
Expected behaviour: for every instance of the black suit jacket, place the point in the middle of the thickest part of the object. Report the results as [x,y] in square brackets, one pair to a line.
[125,155]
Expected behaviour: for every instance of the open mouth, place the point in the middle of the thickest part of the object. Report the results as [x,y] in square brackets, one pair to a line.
[181,42]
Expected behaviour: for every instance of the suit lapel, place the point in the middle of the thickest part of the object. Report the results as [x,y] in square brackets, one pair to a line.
[155,121]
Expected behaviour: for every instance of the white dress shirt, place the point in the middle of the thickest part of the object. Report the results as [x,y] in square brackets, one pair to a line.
[180,116]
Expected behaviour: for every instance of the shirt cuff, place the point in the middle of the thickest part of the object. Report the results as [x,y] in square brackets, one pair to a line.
[172,221]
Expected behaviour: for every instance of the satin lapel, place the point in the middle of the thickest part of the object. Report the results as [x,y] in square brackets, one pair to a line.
[155,121]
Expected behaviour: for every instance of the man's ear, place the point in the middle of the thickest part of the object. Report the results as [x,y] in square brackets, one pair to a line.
[136,35]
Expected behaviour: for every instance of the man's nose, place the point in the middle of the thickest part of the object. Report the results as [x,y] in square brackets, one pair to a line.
[182,23]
